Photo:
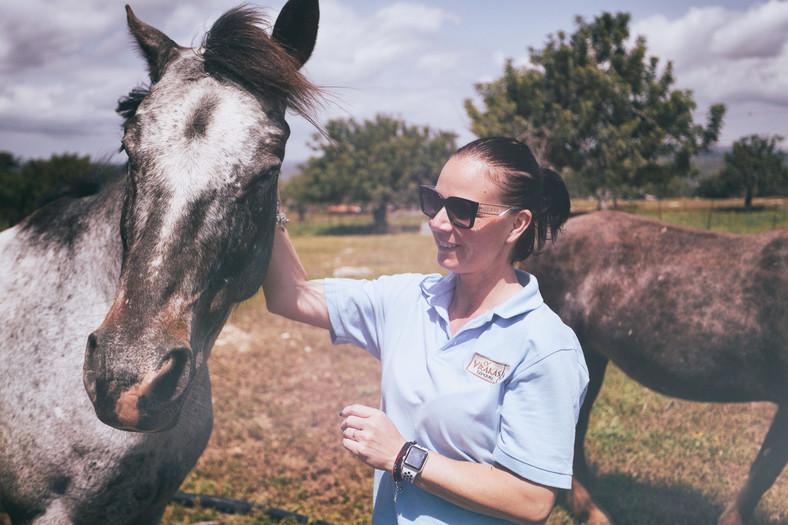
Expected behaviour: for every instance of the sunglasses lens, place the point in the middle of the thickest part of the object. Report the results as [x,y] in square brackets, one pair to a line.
[461,211]
[430,201]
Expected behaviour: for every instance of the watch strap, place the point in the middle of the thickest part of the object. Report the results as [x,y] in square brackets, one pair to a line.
[408,474]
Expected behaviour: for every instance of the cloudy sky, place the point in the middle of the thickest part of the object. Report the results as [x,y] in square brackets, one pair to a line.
[64,63]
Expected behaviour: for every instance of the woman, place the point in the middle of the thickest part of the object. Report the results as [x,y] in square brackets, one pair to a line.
[481,382]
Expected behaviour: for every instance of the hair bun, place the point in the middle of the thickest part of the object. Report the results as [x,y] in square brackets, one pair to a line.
[555,203]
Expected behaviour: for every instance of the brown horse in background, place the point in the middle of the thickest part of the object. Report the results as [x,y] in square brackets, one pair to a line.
[689,313]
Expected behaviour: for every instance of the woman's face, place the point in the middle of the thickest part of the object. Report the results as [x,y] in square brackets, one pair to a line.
[486,247]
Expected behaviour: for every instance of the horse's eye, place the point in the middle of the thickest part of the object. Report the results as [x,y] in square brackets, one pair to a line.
[272,172]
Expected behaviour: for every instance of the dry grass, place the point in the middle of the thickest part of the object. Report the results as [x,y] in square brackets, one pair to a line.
[278,390]
[662,460]
[278,387]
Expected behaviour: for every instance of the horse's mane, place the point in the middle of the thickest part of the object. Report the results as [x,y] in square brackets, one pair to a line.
[127,106]
[237,48]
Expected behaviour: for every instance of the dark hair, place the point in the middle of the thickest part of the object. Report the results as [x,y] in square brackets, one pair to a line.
[525,185]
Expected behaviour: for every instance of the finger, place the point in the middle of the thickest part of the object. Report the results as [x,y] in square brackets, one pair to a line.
[350,445]
[357,410]
[352,422]
[350,433]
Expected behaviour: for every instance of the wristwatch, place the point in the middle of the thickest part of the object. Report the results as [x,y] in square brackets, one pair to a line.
[413,462]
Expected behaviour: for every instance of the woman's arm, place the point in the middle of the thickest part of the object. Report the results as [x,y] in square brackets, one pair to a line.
[486,489]
[288,291]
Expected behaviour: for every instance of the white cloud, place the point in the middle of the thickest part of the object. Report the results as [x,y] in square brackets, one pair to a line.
[353,48]
[739,58]
[64,63]
[760,33]
[36,33]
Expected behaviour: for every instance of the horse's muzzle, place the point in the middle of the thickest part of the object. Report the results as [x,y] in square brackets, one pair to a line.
[128,395]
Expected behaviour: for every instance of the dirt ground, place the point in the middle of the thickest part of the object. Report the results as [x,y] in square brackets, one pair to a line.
[278,388]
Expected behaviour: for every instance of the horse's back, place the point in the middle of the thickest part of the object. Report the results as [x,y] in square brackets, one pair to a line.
[691,313]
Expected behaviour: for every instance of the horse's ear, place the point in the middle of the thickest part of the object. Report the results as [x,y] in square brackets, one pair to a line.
[156,47]
[296,28]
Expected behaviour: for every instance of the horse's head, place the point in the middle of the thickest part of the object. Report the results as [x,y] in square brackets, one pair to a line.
[205,144]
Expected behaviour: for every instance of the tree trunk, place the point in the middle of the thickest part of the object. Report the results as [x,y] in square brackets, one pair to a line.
[603,198]
[380,217]
[748,199]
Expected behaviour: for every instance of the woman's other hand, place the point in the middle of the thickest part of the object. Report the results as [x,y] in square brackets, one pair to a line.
[371,436]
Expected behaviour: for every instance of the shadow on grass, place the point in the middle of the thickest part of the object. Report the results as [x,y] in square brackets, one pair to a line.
[632,502]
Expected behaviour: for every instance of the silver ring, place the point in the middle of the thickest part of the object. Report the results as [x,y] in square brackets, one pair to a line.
[354,434]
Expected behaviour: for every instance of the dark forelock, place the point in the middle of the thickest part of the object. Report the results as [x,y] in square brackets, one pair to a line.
[237,48]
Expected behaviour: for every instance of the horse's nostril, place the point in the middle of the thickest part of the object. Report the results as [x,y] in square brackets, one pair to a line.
[173,376]
[146,403]
[90,351]
[89,367]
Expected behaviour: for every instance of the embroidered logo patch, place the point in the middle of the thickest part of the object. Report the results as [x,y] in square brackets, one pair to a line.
[487,369]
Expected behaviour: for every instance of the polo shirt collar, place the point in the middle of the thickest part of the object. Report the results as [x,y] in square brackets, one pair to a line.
[438,292]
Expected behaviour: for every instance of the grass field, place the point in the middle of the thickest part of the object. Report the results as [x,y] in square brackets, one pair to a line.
[278,387]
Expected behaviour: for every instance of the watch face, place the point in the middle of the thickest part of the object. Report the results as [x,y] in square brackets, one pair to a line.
[415,458]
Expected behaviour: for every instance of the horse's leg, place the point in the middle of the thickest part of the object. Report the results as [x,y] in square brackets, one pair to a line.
[764,471]
[579,499]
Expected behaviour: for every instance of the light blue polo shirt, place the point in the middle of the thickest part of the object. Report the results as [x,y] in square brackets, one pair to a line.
[505,389]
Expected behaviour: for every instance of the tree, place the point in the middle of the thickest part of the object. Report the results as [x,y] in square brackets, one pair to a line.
[25,186]
[598,111]
[753,167]
[378,163]
[9,182]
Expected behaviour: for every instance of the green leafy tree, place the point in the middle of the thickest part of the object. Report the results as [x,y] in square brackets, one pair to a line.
[598,111]
[24,186]
[376,163]
[753,167]
[9,187]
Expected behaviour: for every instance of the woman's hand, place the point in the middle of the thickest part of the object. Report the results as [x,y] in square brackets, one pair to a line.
[371,436]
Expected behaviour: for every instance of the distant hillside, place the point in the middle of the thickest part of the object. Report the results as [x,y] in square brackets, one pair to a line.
[710,163]
[290,168]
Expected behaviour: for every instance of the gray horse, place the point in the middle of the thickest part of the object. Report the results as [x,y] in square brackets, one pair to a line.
[692,314]
[145,271]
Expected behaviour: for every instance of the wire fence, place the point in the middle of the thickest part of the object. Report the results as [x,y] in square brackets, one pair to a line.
[718,215]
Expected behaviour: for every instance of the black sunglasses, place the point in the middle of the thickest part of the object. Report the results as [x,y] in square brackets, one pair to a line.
[461,212]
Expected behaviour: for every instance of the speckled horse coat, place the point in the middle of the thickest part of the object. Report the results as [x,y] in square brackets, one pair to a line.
[112,301]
